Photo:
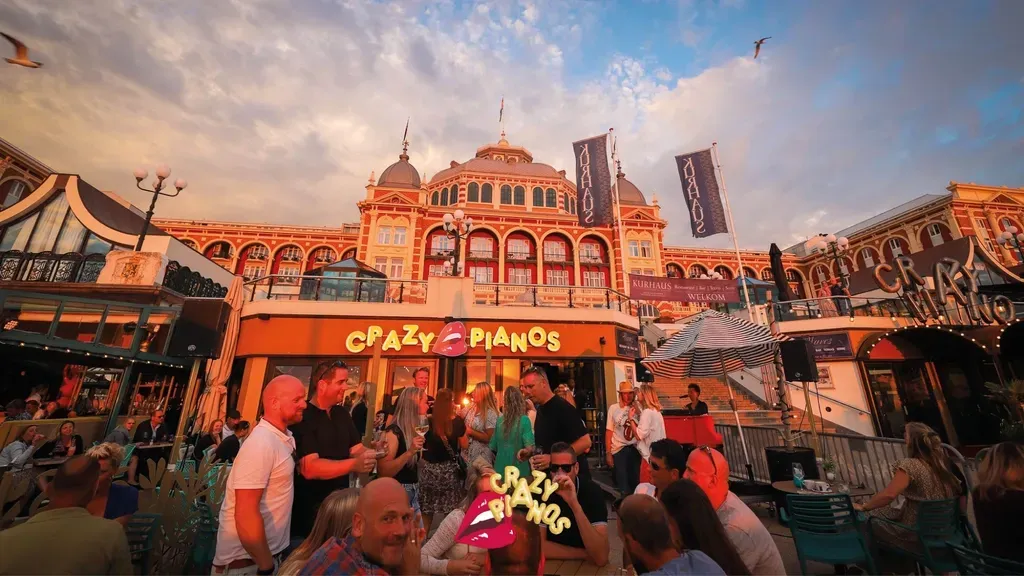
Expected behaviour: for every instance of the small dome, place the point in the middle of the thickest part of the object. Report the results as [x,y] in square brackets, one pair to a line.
[628,192]
[401,174]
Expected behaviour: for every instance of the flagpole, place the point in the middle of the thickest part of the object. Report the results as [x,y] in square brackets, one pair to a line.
[618,211]
[732,231]
[501,117]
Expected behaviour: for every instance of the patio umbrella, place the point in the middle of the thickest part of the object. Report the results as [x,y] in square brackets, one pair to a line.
[715,344]
[213,402]
[779,274]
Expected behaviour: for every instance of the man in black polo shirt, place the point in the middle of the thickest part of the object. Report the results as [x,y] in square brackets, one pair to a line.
[580,500]
[557,421]
[327,446]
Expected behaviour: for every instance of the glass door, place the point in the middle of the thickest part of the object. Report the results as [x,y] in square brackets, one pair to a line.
[886,398]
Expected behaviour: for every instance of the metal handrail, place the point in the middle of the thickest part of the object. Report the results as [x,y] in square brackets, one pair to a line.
[851,306]
[830,399]
[311,287]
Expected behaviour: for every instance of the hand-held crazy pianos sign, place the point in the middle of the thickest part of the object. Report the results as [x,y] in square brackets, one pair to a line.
[925,303]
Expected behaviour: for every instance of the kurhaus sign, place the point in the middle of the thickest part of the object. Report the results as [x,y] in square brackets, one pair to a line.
[925,303]
[411,335]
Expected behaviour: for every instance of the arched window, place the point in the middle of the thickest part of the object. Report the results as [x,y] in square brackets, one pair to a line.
[487,194]
[538,196]
[453,198]
[473,192]
[12,191]
[792,276]
[190,243]
[520,196]
[565,201]
[506,194]
[434,198]
[696,271]
[444,197]
[725,271]
[551,198]
[766,275]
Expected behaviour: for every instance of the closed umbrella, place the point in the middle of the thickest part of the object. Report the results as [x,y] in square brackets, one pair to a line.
[715,344]
[779,273]
[213,403]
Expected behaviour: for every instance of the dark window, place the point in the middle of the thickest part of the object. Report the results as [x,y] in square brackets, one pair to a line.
[444,197]
[434,198]
[487,194]
[538,196]
[473,192]
[551,198]
[506,194]
[520,196]
[12,191]
[565,201]
[454,197]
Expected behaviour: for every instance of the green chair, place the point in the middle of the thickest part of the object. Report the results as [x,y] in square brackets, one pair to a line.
[142,531]
[827,529]
[129,449]
[205,543]
[973,562]
[939,524]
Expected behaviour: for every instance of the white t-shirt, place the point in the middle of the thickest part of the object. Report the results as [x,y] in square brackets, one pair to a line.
[650,429]
[225,432]
[617,416]
[752,540]
[264,462]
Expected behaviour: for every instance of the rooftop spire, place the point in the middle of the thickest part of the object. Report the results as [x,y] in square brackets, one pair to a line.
[405,142]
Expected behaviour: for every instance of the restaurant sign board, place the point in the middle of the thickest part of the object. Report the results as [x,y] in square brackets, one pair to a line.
[831,346]
[411,335]
[627,344]
[657,289]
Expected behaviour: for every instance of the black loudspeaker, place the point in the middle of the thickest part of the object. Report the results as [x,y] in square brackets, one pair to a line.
[199,332]
[798,360]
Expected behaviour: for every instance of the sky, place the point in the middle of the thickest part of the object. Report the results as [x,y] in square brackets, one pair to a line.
[278,111]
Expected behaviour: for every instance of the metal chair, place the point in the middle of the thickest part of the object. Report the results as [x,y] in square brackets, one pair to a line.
[205,543]
[939,523]
[973,562]
[827,529]
[142,531]
[122,470]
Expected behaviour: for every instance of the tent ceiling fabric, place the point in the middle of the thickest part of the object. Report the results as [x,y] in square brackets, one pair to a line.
[710,339]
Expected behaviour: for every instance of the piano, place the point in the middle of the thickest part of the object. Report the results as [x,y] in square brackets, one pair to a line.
[691,430]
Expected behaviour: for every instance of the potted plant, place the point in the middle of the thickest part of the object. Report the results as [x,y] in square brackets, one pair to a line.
[829,466]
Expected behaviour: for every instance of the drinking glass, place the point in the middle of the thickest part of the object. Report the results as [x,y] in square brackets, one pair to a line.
[422,427]
[537,451]
[798,475]
[843,488]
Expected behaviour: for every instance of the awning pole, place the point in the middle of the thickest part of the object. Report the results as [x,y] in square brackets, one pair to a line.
[736,415]
[191,394]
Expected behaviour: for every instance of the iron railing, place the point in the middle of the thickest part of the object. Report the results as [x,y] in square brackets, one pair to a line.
[838,306]
[541,295]
[18,266]
[187,282]
[336,289]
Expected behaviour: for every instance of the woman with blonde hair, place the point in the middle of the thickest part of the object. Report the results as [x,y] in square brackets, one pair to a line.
[333,519]
[648,427]
[512,433]
[111,501]
[441,554]
[925,474]
[404,443]
[480,422]
[999,501]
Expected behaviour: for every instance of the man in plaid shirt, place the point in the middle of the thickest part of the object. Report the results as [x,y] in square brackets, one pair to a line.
[383,539]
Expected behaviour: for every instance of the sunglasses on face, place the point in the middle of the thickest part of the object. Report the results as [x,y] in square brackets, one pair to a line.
[654,465]
[555,468]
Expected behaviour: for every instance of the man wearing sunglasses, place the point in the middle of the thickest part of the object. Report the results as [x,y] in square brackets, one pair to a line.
[668,464]
[709,469]
[580,500]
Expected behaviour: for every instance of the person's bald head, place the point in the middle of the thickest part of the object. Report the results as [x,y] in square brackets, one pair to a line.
[75,483]
[709,469]
[645,527]
[383,522]
[284,399]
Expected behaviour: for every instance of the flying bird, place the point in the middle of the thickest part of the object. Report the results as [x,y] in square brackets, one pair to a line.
[20,53]
[757,45]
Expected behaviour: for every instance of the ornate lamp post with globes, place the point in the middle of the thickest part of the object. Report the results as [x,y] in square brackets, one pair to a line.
[1012,238]
[456,226]
[163,172]
[833,248]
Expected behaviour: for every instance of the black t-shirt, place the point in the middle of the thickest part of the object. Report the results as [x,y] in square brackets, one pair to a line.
[558,421]
[144,433]
[592,502]
[699,410]
[204,442]
[227,450]
[998,520]
[433,447]
[359,414]
[330,437]
[408,473]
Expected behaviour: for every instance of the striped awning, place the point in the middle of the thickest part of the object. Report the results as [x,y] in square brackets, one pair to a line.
[710,339]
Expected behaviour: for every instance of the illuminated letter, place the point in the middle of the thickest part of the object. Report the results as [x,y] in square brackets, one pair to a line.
[553,344]
[551,514]
[885,286]
[549,489]
[519,342]
[511,475]
[536,336]
[488,344]
[356,342]
[500,337]
[522,497]
[561,524]
[497,507]
[476,335]
[538,477]
[393,342]
[410,334]
[425,339]
[497,486]
[536,512]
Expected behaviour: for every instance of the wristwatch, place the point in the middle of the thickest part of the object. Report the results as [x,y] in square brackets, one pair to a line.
[267,572]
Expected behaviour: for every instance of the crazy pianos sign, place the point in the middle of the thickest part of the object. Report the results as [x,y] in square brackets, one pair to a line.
[931,303]
[453,340]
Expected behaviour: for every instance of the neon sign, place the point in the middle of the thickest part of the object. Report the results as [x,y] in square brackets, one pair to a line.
[522,495]
[411,335]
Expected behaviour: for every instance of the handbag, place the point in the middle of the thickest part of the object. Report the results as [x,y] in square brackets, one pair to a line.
[458,461]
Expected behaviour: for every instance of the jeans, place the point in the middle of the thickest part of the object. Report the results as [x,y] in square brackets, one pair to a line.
[627,469]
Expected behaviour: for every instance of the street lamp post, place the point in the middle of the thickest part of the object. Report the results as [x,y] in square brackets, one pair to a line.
[1012,238]
[162,173]
[833,248]
[456,226]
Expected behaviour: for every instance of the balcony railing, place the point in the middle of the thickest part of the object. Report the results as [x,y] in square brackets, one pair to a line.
[840,306]
[590,259]
[556,257]
[551,296]
[440,252]
[336,289]
[519,256]
[483,254]
[187,282]
[18,266]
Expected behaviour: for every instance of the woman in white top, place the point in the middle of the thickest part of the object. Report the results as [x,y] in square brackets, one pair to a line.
[650,428]
[442,554]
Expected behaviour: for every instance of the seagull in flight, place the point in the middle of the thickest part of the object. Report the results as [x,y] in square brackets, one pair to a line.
[757,45]
[21,53]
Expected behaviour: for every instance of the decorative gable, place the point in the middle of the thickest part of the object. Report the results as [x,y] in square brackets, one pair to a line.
[1004,199]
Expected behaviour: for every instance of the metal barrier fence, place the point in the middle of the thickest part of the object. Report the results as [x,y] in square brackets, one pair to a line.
[860,460]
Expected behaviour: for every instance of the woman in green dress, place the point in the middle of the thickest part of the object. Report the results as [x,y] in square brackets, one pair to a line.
[512,433]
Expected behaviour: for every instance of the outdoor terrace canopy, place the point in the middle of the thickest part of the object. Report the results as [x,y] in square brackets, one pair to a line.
[347,279]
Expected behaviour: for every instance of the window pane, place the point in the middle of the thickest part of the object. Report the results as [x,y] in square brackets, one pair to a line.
[444,197]
[506,194]
[520,196]
[71,236]
[96,245]
[16,235]
[487,194]
[11,192]
[50,221]
[538,196]
[400,235]
[434,198]
[473,192]
[551,198]
[453,197]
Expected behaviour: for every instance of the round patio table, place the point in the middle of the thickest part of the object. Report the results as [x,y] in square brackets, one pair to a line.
[788,487]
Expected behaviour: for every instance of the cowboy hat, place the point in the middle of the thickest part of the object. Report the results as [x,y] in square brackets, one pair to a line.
[625,386]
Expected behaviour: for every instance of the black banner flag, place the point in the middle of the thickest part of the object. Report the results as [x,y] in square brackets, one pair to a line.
[703,201]
[593,182]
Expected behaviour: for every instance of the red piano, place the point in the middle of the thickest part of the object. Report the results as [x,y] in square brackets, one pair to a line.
[692,430]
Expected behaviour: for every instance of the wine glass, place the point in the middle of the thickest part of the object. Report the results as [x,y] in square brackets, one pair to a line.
[422,427]
[537,451]
[798,475]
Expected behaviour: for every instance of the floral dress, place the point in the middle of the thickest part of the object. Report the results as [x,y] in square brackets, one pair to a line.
[923,486]
[477,449]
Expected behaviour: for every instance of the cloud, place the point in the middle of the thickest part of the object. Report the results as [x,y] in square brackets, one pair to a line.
[278,112]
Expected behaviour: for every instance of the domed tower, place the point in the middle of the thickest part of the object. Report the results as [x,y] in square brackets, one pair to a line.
[389,216]
[401,174]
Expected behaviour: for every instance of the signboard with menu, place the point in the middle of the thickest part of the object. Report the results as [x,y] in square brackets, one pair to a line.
[627,344]
[831,346]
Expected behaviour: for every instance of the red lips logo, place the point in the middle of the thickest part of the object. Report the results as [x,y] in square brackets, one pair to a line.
[451,341]
[481,530]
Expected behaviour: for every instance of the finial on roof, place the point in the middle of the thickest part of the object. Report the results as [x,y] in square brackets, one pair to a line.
[654,199]
[373,177]
[618,168]
[405,142]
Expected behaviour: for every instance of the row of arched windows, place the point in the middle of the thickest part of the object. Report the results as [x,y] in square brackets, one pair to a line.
[508,195]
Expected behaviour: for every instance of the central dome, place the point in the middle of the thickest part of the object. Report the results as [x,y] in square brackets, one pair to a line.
[401,174]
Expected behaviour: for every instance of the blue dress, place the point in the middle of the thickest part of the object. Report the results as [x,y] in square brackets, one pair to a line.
[123,500]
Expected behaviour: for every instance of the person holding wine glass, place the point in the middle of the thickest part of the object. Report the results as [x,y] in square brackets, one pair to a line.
[440,486]
[65,445]
[404,442]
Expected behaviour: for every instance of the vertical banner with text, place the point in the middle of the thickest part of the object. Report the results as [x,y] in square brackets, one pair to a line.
[593,182]
[703,200]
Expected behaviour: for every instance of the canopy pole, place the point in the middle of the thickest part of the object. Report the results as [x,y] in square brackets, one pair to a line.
[736,415]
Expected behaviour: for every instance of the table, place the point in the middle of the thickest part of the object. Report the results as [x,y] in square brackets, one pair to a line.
[788,487]
[154,446]
[49,462]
